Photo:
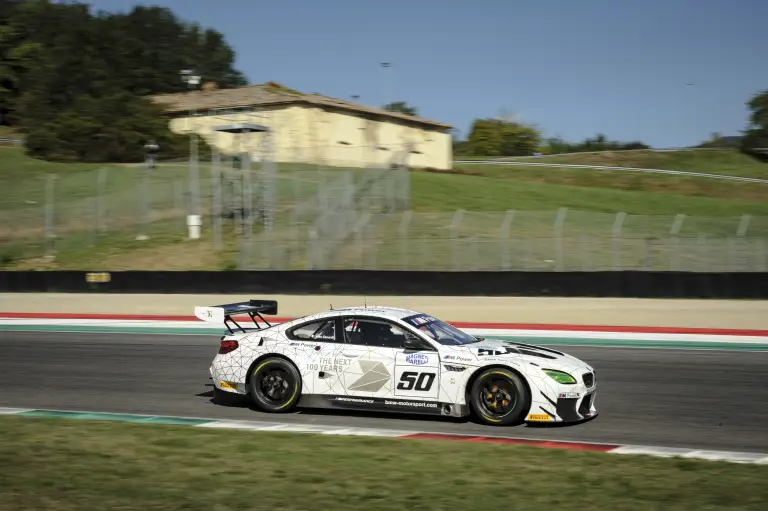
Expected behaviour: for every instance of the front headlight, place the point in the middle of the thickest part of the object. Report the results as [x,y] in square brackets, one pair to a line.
[560,377]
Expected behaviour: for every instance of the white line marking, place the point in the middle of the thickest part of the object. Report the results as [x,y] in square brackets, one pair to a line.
[232,425]
[733,457]
[664,452]
[11,411]
[621,169]
[198,328]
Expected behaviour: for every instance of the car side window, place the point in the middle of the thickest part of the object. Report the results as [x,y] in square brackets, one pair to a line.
[374,333]
[323,330]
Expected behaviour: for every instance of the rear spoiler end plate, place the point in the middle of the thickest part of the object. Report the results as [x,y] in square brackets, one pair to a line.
[223,313]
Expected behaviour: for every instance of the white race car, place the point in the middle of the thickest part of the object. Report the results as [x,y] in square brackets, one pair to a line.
[388,359]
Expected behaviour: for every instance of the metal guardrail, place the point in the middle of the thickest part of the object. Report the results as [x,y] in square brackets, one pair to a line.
[623,169]
[14,141]
[622,151]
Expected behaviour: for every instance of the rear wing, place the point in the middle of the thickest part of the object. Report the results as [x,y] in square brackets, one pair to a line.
[224,313]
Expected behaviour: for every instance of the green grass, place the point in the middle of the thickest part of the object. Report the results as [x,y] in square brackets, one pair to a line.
[725,162]
[445,192]
[8,132]
[62,465]
[713,209]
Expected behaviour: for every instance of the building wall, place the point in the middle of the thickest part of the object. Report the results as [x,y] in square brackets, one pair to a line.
[304,134]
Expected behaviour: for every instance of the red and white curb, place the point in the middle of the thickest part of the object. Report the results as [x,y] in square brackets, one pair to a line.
[663,452]
[574,335]
[528,328]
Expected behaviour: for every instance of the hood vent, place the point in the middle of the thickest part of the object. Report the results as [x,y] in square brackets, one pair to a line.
[540,348]
[535,354]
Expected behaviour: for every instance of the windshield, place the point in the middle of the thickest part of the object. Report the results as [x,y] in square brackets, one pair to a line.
[440,331]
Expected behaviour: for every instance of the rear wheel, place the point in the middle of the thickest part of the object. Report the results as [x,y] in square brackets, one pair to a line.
[499,397]
[275,385]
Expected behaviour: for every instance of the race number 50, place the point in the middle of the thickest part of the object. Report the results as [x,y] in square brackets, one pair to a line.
[411,380]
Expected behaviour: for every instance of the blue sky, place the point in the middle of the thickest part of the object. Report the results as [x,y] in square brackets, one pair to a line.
[572,67]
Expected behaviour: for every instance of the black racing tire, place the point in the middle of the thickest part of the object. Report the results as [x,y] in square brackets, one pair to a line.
[499,397]
[275,385]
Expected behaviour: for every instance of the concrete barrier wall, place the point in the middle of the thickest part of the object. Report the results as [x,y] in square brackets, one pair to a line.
[742,314]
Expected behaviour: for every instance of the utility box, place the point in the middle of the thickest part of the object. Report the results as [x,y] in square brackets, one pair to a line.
[193,225]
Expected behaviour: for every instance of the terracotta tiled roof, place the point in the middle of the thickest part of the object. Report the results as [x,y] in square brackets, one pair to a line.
[265,94]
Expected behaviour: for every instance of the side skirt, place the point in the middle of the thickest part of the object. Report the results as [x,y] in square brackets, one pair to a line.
[383,405]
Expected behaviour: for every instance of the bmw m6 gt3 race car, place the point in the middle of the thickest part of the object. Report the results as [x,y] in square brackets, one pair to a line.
[394,360]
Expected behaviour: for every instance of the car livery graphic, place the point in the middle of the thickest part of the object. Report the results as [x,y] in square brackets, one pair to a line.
[397,360]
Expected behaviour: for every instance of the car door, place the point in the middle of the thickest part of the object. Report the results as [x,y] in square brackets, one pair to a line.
[381,365]
[315,346]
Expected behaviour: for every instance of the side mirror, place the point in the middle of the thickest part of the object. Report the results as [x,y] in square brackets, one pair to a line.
[412,342]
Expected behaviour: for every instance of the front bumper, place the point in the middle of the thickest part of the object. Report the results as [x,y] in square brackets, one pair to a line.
[576,409]
[564,403]
[565,409]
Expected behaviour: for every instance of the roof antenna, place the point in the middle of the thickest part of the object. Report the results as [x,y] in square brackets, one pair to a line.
[365,301]
[331,306]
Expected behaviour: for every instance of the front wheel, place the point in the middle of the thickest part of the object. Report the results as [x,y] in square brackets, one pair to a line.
[275,385]
[499,397]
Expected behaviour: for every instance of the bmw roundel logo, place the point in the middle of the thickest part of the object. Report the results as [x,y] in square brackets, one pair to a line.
[416,359]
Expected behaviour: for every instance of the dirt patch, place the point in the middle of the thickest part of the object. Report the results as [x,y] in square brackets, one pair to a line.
[463,172]
[173,256]
[749,314]
[177,256]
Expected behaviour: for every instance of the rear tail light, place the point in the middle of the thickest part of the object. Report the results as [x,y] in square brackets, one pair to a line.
[227,346]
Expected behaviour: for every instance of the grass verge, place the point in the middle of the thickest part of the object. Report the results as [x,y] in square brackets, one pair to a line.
[62,464]
[101,233]
[667,187]
[727,162]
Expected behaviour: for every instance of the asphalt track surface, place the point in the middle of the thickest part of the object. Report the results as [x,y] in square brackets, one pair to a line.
[673,398]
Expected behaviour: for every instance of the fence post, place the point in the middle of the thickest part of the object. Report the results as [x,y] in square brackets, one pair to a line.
[239,215]
[648,253]
[245,172]
[216,192]
[702,251]
[405,187]
[674,257]
[50,187]
[457,216]
[95,224]
[558,230]
[143,190]
[740,234]
[743,226]
[475,253]
[617,225]
[504,235]
[178,193]
[403,235]
[311,241]
[101,190]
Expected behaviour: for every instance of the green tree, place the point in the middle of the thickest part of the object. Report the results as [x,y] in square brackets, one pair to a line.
[599,142]
[402,107]
[73,81]
[111,128]
[496,137]
[755,140]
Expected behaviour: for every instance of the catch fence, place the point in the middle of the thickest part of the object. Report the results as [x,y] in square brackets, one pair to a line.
[562,240]
[301,216]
